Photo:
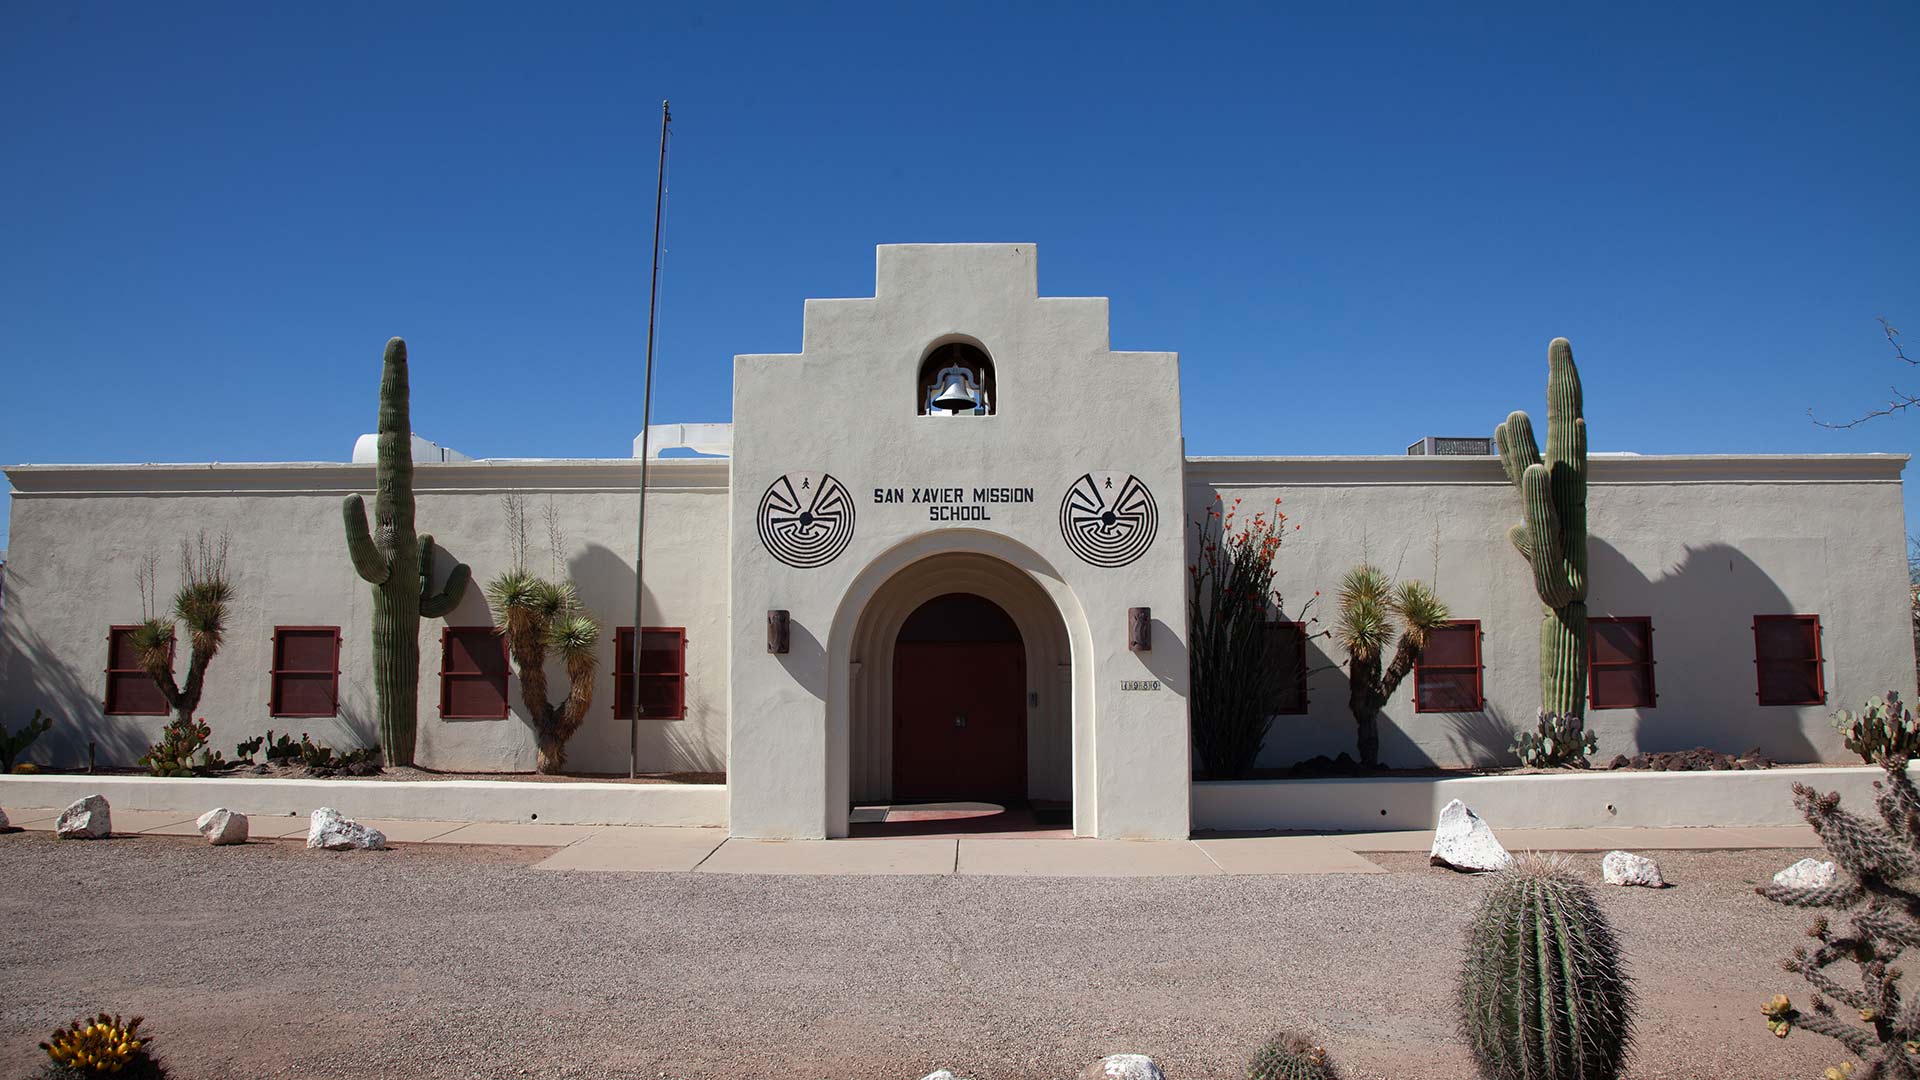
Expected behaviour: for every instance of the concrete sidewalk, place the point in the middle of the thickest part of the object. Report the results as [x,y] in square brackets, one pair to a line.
[644,849]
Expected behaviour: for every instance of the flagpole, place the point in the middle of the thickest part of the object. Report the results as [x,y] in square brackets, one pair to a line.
[646,419]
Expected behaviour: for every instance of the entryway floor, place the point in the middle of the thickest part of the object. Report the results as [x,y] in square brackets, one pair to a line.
[648,849]
[977,819]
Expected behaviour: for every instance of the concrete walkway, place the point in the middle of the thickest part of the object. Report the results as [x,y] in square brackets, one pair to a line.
[640,849]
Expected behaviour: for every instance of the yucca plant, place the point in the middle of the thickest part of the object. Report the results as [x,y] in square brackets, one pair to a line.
[201,605]
[1377,616]
[541,618]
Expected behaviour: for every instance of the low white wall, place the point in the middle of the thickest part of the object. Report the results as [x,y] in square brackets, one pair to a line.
[1546,801]
[419,800]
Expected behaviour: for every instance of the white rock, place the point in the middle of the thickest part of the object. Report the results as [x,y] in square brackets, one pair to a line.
[3,819]
[1626,868]
[329,829]
[88,819]
[940,1074]
[1807,874]
[1123,1067]
[222,826]
[1462,841]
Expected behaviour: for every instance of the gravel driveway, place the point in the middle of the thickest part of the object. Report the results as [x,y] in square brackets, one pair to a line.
[271,961]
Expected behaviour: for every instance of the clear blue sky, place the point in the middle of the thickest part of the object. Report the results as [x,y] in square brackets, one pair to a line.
[1355,231]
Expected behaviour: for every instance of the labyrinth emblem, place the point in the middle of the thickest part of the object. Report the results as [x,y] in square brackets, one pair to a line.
[1108,522]
[806,522]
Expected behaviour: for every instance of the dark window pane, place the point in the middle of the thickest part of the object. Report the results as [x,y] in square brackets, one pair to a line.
[1628,687]
[304,650]
[1452,646]
[475,650]
[660,653]
[1789,683]
[659,696]
[306,695]
[1449,690]
[1786,638]
[1619,642]
[120,653]
[475,697]
[134,693]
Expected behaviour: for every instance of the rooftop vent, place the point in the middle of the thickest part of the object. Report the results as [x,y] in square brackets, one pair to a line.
[1440,446]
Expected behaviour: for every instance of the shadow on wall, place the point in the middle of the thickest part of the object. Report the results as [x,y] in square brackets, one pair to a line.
[605,580]
[40,680]
[1168,663]
[1702,610]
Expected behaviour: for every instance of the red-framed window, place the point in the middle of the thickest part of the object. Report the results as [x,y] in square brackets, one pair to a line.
[1620,663]
[306,671]
[473,673]
[130,690]
[1787,661]
[1286,646]
[1446,678]
[663,673]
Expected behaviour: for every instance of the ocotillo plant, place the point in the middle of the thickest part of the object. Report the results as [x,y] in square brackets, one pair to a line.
[398,564]
[1554,537]
[201,603]
[1873,893]
[1543,994]
[1370,605]
[1233,677]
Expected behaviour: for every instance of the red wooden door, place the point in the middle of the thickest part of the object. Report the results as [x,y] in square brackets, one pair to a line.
[959,720]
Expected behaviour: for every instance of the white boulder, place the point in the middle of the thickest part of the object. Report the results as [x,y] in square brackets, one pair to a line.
[332,830]
[88,819]
[1462,841]
[940,1074]
[222,826]
[1626,868]
[3,819]
[1807,874]
[1123,1067]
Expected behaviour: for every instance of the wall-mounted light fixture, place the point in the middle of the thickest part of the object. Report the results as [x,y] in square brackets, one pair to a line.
[1140,629]
[779,633]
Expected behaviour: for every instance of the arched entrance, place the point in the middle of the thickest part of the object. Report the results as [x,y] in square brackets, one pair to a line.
[947,636]
[959,703]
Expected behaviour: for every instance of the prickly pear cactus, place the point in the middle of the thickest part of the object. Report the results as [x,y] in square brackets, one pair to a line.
[1553,539]
[1884,727]
[398,564]
[1543,994]
[1289,1057]
[1555,742]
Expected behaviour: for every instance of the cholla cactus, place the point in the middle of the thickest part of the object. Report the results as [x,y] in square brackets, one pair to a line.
[1543,995]
[1556,742]
[1875,860]
[1290,1057]
[101,1046]
[1884,727]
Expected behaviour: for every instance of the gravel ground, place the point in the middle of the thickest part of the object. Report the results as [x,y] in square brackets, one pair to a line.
[270,961]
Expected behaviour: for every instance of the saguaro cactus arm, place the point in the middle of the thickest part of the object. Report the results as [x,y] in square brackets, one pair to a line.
[433,604]
[371,563]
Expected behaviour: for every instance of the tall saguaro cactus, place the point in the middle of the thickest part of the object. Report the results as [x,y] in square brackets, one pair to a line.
[1554,536]
[398,565]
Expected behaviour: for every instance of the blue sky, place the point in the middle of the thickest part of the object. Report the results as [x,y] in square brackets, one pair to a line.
[1356,231]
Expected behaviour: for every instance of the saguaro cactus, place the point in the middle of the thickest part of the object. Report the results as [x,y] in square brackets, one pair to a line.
[1554,536]
[398,565]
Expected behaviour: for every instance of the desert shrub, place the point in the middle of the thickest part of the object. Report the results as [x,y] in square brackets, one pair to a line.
[101,1046]
[1233,680]
[1290,1057]
[1555,742]
[1543,992]
[1883,728]
[13,742]
[1873,895]
[173,754]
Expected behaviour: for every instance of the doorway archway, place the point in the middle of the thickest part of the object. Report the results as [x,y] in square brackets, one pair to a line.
[959,703]
[1045,683]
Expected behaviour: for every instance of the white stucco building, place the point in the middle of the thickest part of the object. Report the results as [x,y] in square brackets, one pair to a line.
[957,583]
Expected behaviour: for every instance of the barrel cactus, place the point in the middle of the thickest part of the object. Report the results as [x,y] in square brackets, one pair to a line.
[1543,993]
[1553,539]
[1290,1057]
[398,564]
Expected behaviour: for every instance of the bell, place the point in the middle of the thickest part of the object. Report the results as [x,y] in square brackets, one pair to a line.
[957,395]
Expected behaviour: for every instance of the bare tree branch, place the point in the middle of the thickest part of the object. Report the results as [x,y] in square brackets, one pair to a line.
[1901,399]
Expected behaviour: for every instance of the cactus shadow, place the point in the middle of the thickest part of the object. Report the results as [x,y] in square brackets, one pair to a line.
[38,678]
[1702,607]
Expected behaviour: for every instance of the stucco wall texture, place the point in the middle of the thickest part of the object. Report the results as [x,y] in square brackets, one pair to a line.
[1698,544]
[80,533]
